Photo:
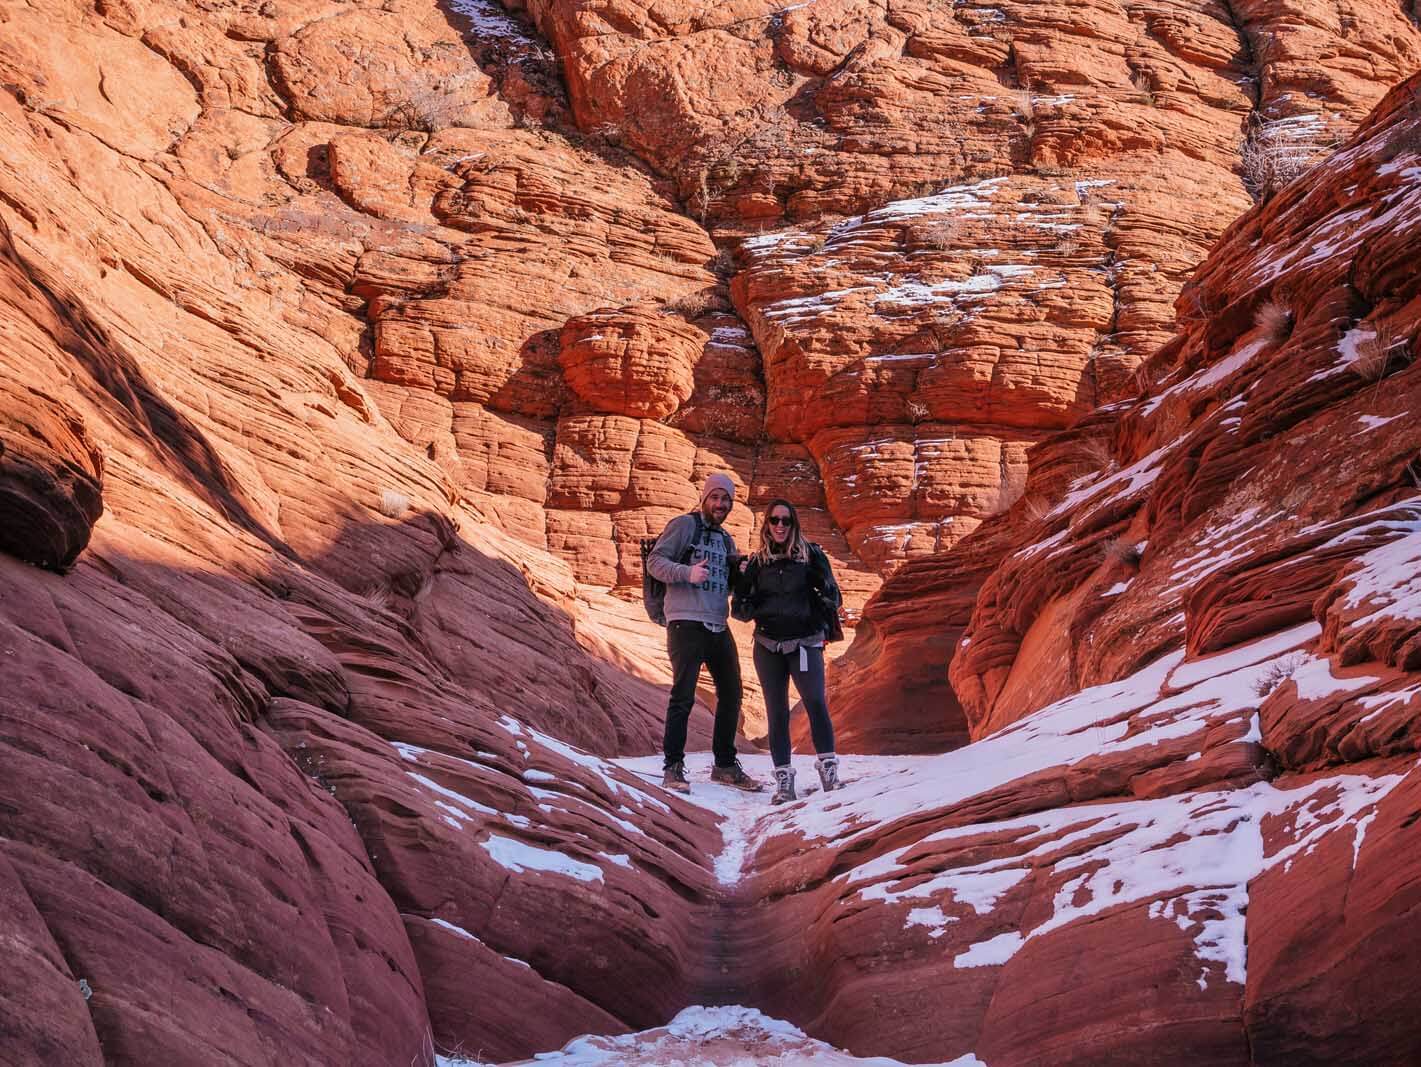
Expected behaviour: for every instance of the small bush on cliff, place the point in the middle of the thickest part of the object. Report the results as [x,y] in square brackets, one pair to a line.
[1274,319]
[430,108]
[1380,355]
[1096,454]
[937,235]
[1275,674]
[1275,153]
[1036,507]
[1144,88]
[1120,550]
[691,305]
[393,504]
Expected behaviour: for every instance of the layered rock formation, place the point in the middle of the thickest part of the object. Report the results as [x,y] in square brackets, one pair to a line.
[272,745]
[1193,672]
[50,479]
[978,217]
[268,788]
[343,375]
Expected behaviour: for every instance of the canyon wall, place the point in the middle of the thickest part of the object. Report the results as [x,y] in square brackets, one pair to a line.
[350,348]
[1187,828]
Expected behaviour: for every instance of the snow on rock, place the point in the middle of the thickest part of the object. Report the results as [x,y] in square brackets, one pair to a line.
[730,1036]
[518,857]
[1132,814]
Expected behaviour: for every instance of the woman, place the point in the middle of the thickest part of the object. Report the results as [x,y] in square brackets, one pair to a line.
[790,592]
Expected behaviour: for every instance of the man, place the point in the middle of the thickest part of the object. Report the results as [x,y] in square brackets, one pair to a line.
[697,595]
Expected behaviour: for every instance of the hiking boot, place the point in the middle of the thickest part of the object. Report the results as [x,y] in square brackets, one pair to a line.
[735,775]
[674,778]
[828,767]
[784,785]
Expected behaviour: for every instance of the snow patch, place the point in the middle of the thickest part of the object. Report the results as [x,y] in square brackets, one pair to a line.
[518,857]
[732,1035]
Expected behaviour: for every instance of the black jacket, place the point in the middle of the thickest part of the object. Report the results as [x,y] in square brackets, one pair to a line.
[788,599]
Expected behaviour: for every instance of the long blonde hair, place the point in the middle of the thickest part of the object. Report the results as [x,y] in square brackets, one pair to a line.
[798,546]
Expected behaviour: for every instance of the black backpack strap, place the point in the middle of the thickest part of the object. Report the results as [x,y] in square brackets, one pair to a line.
[690,550]
[822,573]
[826,591]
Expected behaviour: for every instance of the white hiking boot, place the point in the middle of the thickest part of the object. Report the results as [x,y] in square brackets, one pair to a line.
[784,785]
[828,767]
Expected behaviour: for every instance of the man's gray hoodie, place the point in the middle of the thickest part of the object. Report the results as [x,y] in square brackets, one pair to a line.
[707,602]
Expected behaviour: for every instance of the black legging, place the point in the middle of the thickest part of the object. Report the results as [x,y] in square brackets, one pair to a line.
[775,671]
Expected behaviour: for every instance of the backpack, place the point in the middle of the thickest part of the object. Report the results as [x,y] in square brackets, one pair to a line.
[827,594]
[653,590]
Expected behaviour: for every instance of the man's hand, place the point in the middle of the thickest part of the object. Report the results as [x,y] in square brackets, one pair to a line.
[700,571]
[744,563]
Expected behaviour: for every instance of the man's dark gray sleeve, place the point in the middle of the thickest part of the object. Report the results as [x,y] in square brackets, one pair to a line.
[669,548]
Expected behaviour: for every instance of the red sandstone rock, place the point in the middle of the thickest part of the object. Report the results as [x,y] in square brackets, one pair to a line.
[50,479]
[308,303]
[1254,500]
[1242,529]
[1338,918]
[633,361]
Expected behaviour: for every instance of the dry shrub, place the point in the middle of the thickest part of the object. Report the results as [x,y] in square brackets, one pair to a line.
[1275,674]
[1144,88]
[1274,319]
[378,597]
[691,305]
[1120,550]
[1274,154]
[1379,355]
[938,235]
[917,410]
[393,503]
[715,179]
[1036,507]
[1096,453]
[430,108]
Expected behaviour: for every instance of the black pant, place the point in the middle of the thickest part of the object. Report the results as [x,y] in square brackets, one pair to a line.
[689,644]
[775,671]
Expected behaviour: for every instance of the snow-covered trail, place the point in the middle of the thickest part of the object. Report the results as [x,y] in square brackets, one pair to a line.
[710,1037]
[732,1035]
[1185,857]
[748,819]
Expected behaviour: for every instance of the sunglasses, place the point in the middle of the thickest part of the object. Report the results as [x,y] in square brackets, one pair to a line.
[778,520]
